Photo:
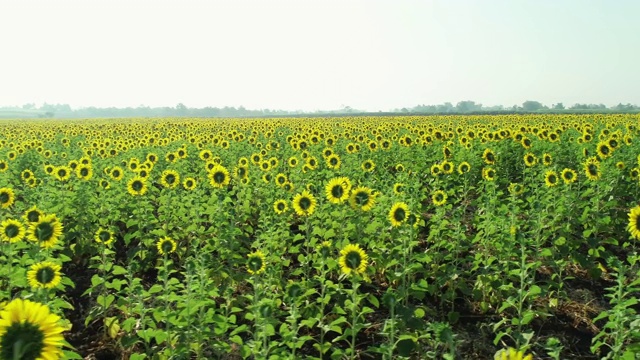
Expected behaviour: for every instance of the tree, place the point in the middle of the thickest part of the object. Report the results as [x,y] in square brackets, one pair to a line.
[558,106]
[468,106]
[530,105]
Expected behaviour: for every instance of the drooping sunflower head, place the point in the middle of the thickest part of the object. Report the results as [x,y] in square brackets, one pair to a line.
[256,263]
[489,157]
[7,197]
[550,178]
[44,274]
[137,186]
[12,231]
[353,260]
[439,198]
[219,176]
[104,236]
[166,245]
[546,159]
[362,198]
[592,169]
[30,329]
[604,150]
[325,249]
[46,232]
[304,203]
[170,179]
[398,214]
[280,206]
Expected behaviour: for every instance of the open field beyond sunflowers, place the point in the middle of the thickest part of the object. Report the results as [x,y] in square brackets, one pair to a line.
[374,238]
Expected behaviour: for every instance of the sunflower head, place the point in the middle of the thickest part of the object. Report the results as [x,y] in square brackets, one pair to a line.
[104,236]
[353,260]
[137,186]
[337,190]
[256,263]
[47,231]
[11,231]
[304,203]
[489,157]
[463,168]
[189,184]
[219,177]
[280,206]
[439,198]
[44,274]
[515,189]
[368,166]
[550,178]
[489,174]
[634,222]
[166,245]
[362,198]
[530,159]
[569,176]
[31,330]
[398,214]
[170,179]
[7,197]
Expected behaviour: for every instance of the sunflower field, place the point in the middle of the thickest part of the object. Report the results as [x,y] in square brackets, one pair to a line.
[441,237]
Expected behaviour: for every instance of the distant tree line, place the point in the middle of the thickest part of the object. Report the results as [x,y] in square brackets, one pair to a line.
[463,107]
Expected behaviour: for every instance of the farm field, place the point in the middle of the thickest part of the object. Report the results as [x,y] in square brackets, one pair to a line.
[451,237]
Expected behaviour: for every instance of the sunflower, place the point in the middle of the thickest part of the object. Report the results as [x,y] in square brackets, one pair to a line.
[325,249]
[166,245]
[620,165]
[26,174]
[105,184]
[62,173]
[436,169]
[29,329]
[3,166]
[205,155]
[368,166]
[515,189]
[592,169]
[84,172]
[280,206]
[353,260]
[447,167]
[219,177]
[550,178]
[634,222]
[362,198]
[546,159]
[256,263]
[398,214]
[137,186]
[170,179]
[489,174]
[171,157]
[32,214]
[7,197]
[241,171]
[312,162]
[569,176]
[116,173]
[530,159]
[511,354]
[398,188]
[293,161]
[189,183]
[46,231]
[463,168]
[103,236]
[333,162]
[44,275]
[439,198]
[399,167]
[281,179]
[634,173]
[337,190]
[489,157]
[604,150]
[304,203]
[11,231]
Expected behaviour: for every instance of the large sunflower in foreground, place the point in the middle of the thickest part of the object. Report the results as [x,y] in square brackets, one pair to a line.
[399,214]
[137,186]
[304,203]
[47,231]
[634,222]
[44,275]
[353,260]
[362,198]
[29,331]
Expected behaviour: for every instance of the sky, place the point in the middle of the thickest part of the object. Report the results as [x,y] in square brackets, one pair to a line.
[312,55]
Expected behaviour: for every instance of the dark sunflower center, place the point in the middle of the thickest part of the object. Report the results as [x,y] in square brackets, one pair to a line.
[255,263]
[219,177]
[287,187]
[171,157]
[568,175]
[529,159]
[180,153]
[62,173]
[304,203]
[399,214]
[447,153]
[613,143]
[312,162]
[4,197]
[25,340]
[137,185]
[84,172]
[3,166]
[133,166]
[265,165]
[362,198]
[446,167]
[552,179]
[353,260]
[170,179]
[166,246]
[367,165]
[189,183]
[11,231]
[399,188]
[104,236]
[281,180]
[280,206]
[44,231]
[116,173]
[593,170]
[333,161]
[27,175]
[547,159]
[490,157]
[241,172]
[604,150]
[45,275]
[408,141]
[439,197]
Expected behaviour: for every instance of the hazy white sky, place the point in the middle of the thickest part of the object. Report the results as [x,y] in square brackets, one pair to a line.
[309,55]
